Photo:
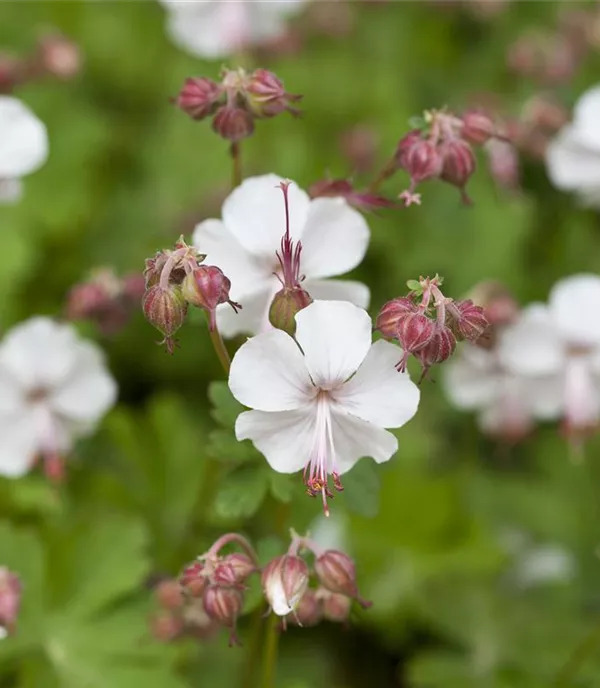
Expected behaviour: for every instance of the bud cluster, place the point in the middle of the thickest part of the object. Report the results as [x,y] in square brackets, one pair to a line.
[176,278]
[105,299]
[442,149]
[428,325]
[236,101]
[10,601]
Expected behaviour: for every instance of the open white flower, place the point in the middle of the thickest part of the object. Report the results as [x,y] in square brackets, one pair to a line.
[244,243]
[562,340]
[218,28]
[324,400]
[54,387]
[573,156]
[23,146]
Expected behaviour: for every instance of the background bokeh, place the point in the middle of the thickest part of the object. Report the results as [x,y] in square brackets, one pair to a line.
[482,560]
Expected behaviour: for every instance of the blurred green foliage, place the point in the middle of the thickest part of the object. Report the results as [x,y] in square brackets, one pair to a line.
[126,175]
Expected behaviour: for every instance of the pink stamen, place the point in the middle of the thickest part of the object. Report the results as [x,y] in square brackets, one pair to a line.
[289,254]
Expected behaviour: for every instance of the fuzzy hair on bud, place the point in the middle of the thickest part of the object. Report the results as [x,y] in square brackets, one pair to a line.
[415,330]
[266,96]
[199,97]
[284,307]
[477,128]
[207,287]
[284,582]
[392,314]
[423,161]
[234,569]
[467,320]
[458,165]
[233,123]
[439,349]
[223,604]
[336,572]
[193,580]
[166,310]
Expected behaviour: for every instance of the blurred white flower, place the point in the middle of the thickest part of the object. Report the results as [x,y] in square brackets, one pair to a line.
[244,243]
[23,146]
[323,401]
[217,28]
[561,340]
[54,387]
[544,564]
[573,156]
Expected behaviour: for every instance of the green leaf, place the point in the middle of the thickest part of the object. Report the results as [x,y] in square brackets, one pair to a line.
[417,122]
[226,408]
[241,494]
[224,446]
[415,286]
[282,486]
[361,489]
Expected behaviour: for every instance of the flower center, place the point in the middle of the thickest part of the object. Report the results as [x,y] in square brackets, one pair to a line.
[322,462]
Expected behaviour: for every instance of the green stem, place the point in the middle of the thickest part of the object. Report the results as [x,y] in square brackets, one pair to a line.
[220,349]
[585,649]
[250,665]
[270,652]
[236,156]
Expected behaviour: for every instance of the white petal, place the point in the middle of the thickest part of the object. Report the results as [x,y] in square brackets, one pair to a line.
[89,391]
[12,395]
[285,439]
[471,380]
[278,599]
[532,346]
[378,392]
[335,238]
[253,318]
[586,117]
[255,214]
[354,438]
[23,139]
[39,352]
[268,373]
[575,306]
[335,337]
[544,396]
[18,444]
[338,290]
[581,393]
[570,163]
[246,273]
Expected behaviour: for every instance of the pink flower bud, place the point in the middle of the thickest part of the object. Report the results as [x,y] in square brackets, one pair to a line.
[422,160]
[415,331]
[168,594]
[439,348]
[336,572]
[207,287]
[59,56]
[233,123]
[193,580]
[199,97]
[266,96]
[166,626]
[284,582]
[224,605]
[391,314]
[336,607]
[466,320]
[284,307]
[458,164]
[477,127]
[165,309]
[309,611]
[404,146]
[10,599]
[234,569]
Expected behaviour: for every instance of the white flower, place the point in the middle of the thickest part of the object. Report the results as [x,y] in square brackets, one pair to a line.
[54,387]
[218,28]
[573,157]
[23,146]
[322,402]
[562,340]
[244,243]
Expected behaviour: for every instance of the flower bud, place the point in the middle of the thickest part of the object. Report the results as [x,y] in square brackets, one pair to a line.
[168,594]
[415,330]
[466,320]
[198,97]
[10,599]
[309,610]
[59,56]
[233,123]
[206,287]
[284,307]
[404,145]
[458,164]
[266,96]
[193,581]
[234,569]
[166,626]
[439,348]
[224,605]
[422,160]
[166,310]
[336,572]
[284,582]
[336,607]
[391,314]
[477,127]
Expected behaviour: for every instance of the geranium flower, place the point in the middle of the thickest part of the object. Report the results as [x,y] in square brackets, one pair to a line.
[562,340]
[54,387]
[573,156]
[23,146]
[323,400]
[244,244]
[218,28]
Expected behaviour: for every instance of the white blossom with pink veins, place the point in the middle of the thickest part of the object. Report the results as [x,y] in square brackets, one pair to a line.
[23,146]
[324,399]
[573,156]
[562,340]
[217,28]
[54,387]
[244,244]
